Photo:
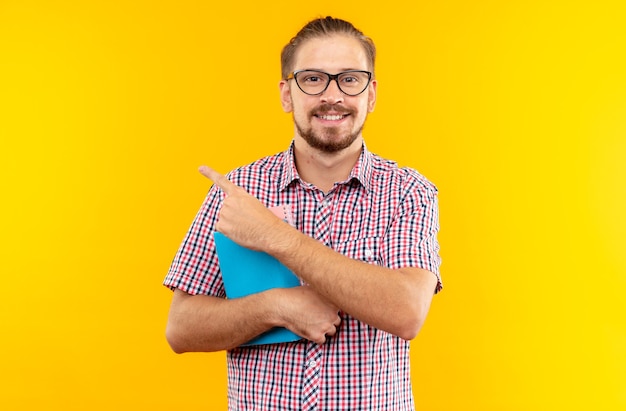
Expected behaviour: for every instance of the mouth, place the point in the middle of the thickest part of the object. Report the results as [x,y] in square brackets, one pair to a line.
[331,117]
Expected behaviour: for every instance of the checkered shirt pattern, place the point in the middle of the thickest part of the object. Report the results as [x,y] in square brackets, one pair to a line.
[382,214]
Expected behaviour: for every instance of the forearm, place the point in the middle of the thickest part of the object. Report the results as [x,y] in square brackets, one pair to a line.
[203,323]
[395,301]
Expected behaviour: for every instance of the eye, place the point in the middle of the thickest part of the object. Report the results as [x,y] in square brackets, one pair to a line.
[353,79]
[312,79]
[349,79]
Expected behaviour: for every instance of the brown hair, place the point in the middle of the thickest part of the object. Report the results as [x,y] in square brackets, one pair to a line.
[320,28]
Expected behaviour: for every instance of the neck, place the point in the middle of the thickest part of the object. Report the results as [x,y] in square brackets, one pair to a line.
[325,169]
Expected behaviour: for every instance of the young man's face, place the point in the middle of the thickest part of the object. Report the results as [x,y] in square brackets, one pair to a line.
[332,120]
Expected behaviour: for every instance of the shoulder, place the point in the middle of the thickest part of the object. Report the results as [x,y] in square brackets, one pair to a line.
[260,174]
[387,173]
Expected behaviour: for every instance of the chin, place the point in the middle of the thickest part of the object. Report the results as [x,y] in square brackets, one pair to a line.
[330,145]
[328,142]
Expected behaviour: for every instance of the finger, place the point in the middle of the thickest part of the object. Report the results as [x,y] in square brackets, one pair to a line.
[219,180]
[317,340]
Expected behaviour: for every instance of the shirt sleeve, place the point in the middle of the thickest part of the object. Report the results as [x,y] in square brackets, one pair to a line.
[195,268]
[412,238]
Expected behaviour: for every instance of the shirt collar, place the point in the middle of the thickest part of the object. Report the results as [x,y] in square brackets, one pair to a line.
[361,172]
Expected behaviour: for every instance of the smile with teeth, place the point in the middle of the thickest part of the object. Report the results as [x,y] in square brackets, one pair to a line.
[331,117]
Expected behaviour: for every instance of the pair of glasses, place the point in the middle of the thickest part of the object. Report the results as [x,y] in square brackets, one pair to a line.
[313,82]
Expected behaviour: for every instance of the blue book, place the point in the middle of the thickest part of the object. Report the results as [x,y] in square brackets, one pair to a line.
[246,272]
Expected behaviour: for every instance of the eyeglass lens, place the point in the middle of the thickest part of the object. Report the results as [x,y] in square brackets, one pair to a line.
[349,82]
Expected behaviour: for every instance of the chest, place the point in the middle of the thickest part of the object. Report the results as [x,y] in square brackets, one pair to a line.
[349,219]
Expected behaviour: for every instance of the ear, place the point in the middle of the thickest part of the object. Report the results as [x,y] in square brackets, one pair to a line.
[371,96]
[285,96]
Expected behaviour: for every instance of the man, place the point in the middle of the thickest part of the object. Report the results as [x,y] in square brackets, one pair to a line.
[364,244]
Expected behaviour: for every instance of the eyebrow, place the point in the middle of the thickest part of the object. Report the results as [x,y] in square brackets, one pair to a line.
[340,71]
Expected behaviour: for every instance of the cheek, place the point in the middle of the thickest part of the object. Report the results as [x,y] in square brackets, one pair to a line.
[364,108]
[300,110]
[371,99]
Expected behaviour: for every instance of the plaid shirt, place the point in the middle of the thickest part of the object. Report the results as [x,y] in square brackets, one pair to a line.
[381,214]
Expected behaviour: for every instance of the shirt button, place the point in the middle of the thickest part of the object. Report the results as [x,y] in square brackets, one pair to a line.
[312,363]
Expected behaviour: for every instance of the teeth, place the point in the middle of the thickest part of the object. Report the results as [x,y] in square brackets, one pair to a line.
[331,117]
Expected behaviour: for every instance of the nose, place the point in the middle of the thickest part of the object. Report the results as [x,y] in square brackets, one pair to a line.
[332,94]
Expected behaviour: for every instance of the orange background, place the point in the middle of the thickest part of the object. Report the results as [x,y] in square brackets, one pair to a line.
[516,110]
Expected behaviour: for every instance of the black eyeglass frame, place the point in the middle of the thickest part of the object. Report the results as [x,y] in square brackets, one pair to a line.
[331,77]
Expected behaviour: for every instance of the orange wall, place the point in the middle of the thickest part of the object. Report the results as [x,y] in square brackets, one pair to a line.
[516,110]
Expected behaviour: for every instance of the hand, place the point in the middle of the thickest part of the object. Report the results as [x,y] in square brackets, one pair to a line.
[309,315]
[243,218]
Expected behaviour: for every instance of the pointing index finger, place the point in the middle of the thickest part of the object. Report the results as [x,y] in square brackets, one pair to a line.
[220,180]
